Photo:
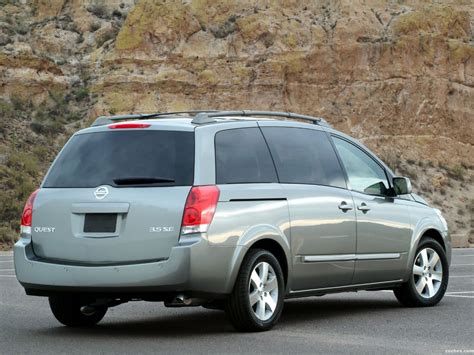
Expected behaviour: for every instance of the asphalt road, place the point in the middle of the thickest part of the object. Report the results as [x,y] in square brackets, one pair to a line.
[363,322]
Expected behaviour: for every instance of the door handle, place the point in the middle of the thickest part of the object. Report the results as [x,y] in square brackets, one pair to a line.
[363,207]
[344,206]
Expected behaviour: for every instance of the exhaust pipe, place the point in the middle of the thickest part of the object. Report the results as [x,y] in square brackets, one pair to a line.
[182,300]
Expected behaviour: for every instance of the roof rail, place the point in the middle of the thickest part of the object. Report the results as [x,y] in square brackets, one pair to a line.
[209,117]
[103,120]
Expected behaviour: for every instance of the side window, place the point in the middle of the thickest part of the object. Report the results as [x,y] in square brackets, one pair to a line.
[242,156]
[304,156]
[364,174]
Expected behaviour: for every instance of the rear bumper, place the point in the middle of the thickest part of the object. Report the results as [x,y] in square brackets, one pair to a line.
[188,269]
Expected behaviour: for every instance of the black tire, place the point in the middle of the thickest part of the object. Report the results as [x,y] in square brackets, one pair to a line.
[238,308]
[67,311]
[216,305]
[407,294]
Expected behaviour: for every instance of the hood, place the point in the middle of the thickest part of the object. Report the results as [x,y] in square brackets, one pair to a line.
[419,199]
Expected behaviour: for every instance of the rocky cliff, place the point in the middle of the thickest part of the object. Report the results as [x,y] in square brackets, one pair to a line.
[399,75]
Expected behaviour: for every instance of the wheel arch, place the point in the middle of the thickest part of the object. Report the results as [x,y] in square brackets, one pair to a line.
[277,250]
[264,238]
[427,227]
[408,293]
[434,234]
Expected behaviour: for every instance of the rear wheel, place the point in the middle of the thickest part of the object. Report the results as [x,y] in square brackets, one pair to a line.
[72,312]
[429,276]
[257,300]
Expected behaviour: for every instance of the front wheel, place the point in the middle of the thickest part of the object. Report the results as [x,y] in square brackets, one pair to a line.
[256,302]
[72,312]
[429,276]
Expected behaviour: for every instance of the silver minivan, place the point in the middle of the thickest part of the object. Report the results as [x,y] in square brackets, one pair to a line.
[231,210]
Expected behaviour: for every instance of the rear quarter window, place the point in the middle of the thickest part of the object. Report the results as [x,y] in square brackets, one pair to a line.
[304,156]
[242,156]
[93,159]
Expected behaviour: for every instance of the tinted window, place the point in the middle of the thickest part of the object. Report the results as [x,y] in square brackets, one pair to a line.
[304,156]
[94,159]
[242,156]
[364,173]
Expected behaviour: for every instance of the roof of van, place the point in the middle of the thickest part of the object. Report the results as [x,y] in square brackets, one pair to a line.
[201,117]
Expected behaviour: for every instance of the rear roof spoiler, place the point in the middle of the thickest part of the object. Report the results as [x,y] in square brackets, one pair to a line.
[103,120]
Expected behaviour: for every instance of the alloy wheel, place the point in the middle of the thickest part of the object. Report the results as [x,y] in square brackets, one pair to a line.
[427,273]
[263,291]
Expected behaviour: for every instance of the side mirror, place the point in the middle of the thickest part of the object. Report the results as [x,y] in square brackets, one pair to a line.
[402,185]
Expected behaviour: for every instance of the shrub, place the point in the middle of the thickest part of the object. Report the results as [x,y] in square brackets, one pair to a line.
[17,103]
[18,176]
[7,2]
[50,118]
[20,28]
[392,159]
[408,172]
[60,103]
[7,235]
[98,8]
[95,25]
[21,161]
[471,205]
[48,128]
[81,94]
[456,172]
[41,152]
[80,38]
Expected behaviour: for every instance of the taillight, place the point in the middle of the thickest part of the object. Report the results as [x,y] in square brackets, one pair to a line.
[199,209]
[128,125]
[27,215]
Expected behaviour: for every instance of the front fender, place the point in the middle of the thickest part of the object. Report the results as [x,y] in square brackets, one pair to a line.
[422,226]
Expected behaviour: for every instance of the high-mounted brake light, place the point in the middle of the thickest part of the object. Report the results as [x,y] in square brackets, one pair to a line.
[199,209]
[129,125]
[27,216]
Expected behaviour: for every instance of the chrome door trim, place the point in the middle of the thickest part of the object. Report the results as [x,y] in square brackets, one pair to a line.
[320,258]
[349,257]
[378,256]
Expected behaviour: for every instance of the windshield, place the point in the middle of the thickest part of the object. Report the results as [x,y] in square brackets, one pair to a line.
[125,158]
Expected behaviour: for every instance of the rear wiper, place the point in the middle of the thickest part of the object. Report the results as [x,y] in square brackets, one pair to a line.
[138,180]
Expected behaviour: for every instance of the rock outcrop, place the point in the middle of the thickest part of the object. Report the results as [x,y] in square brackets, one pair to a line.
[398,75]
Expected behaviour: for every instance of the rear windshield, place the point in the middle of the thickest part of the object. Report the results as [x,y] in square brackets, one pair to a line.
[125,158]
